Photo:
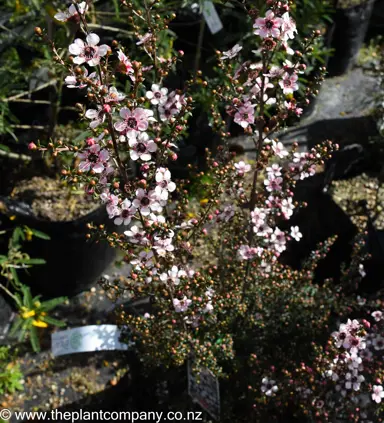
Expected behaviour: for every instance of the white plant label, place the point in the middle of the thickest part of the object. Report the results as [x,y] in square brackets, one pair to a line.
[86,339]
[211,17]
[206,392]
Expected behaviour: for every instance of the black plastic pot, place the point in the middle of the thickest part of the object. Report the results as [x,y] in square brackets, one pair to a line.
[73,263]
[346,36]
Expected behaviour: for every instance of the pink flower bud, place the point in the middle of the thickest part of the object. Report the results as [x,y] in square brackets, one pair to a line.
[32,146]
[181,53]
[107,108]
[174,157]
[366,324]
[91,141]
[205,232]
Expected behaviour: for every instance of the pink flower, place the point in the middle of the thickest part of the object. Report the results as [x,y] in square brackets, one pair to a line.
[279,149]
[268,26]
[246,252]
[97,116]
[245,115]
[279,240]
[71,13]
[289,83]
[71,80]
[88,52]
[162,246]
[295,233]
[232,53]
[114,96]
[288,27]
[173,275]
[273,183]
[258,217]
[242,168]
[181,305]
[227,213]
[291,106]
[377,315]
[287,207]
[141,146]
[274,170]
[126,213]
[136,120]
[143,260]
[111,201]
[136,235]
[164,183]
[377,393]
[144,39]
[146,202]
[93,158]
[125,66]
[158,95]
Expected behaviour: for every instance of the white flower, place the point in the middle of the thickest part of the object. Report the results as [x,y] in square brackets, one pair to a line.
[268,386]
[164,183]
[242,167]
[377,315]
[295,233]
[158,95]
[126,213]
[181,305]
[362,271]
[378,343]
[88,52]
[377,393]
[71,13]
[141,146]
[232,53]
[173,275]
[279,149]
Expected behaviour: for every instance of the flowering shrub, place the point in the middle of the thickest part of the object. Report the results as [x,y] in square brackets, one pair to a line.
[211,268]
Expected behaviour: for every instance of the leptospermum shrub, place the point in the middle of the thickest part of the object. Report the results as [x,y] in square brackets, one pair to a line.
[219,294]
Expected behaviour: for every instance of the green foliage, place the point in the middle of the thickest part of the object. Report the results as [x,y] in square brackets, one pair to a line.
[11,376]
[32,313]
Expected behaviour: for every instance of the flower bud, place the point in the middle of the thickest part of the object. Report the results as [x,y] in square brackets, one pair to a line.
[32,146]
[38,31]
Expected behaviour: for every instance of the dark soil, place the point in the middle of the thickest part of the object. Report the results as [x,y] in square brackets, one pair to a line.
[51,199]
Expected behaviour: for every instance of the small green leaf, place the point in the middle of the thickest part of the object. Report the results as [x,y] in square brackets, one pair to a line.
[34,338]
[34,261]
[50,304]
[52,321]
[39,234]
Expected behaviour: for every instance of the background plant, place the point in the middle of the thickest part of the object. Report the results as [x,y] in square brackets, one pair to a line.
[32,312]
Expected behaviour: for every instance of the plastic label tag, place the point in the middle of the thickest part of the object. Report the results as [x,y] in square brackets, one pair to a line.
[206,392]
[86,339]
[211,17]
